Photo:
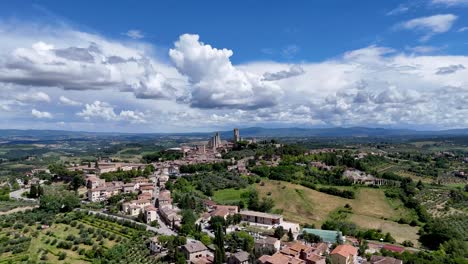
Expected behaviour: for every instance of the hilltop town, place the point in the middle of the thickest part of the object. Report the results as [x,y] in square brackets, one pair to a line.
[226,201]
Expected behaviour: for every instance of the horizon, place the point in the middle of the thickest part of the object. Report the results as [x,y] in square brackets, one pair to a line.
[183,67]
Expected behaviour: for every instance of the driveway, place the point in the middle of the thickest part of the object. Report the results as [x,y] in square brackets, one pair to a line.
[17,195]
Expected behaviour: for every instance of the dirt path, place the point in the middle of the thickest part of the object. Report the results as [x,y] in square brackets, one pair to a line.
[18,209]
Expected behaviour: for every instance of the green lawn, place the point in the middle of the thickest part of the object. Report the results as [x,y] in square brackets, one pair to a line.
[229,196]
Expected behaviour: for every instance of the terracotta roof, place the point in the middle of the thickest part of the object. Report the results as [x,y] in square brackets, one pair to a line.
[345,250]
[150,208]
[279,258]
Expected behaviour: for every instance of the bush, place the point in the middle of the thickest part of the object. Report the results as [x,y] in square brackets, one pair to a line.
[62,255]
[407,243]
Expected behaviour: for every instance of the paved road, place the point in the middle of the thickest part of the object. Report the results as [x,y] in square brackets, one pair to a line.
[17,195]
[163,229]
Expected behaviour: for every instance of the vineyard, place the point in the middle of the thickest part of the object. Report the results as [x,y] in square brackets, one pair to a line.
[73,238]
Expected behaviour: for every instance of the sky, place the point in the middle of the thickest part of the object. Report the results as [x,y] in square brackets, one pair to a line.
[180,66]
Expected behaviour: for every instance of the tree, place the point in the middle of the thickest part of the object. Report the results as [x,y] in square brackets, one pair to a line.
[290,235]
[389,238]
[76,182]
[220,254]
[32,191]
[311,238]
[362,247]
[59,201]
[279,232]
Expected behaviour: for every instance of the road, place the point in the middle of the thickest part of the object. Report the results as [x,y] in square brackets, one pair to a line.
[17,195]
[162,229]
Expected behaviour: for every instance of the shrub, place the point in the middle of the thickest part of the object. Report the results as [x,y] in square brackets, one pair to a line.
[62,255]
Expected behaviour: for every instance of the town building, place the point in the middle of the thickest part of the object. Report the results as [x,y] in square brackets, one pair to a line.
[194,250]
[267,245]
[329,236]
[240,257]
[261,218]
[151,214]
[344,254]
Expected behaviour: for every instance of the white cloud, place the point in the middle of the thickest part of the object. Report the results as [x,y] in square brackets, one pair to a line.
[216,83]
[67,101]
[400,9]
[103,110]
[423,49]
[33,97]
[134,34]
[463,29]
[450,3]
[430,25]
[74,60]
[41,115]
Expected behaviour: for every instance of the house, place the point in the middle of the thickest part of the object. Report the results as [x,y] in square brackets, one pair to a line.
[224,210]
[240,257]
[304,252]
[130,187]
[151,214]
[268,245]
[155,246]
[384,260]
[261,218]
[194,250]
[134,207]
[93,182]
[101,193]
[170,216]
[344,254]
[393,248]
[164,199]
[279,258]
[147,189]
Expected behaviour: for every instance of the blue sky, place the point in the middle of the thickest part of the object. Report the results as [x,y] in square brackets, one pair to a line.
[159,65]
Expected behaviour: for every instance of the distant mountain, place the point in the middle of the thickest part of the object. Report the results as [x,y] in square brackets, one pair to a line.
[245,132]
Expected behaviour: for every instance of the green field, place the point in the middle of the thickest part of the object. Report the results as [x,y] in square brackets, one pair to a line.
[229,196]
[370,208]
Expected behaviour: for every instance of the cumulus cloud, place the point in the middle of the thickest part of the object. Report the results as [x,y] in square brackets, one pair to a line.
[134,34]
[74,60]
[215,82]
[430,25]
[103,110]
[67,101]
[33,97]
[450,69]
[41,115]
[294,70]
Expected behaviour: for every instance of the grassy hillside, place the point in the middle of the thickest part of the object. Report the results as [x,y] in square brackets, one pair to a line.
[371,209]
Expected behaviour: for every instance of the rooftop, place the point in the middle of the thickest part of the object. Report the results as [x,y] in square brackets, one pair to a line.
[344,250]
[260,214]
[194,246]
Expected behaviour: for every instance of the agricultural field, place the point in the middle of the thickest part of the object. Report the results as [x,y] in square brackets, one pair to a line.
[370,208]
[71,238]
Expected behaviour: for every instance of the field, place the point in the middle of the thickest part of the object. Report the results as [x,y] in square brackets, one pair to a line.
[370,208]
[229,196]
[70,239]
